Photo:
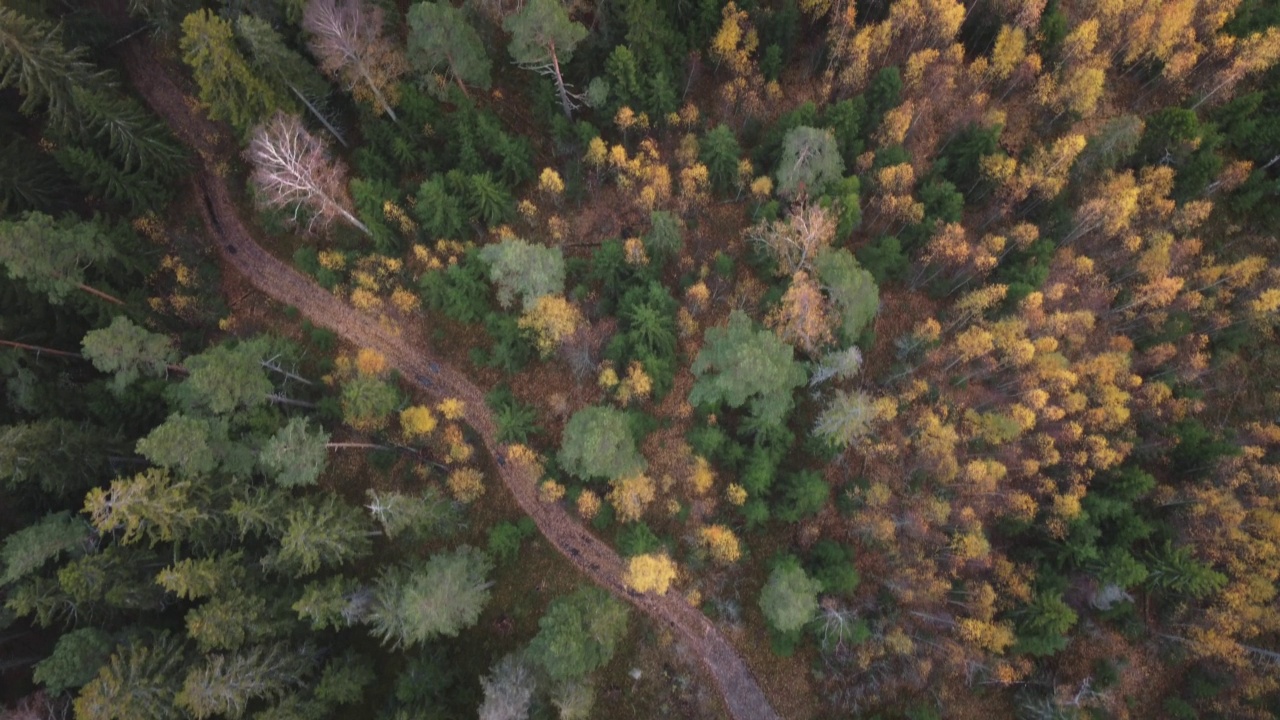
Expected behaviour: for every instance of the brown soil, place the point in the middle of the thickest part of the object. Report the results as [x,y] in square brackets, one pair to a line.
[742,695]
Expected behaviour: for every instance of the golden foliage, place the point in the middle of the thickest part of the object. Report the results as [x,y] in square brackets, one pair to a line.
[552,319]
[721,543]
[635,252]
[370,362]
[466,484]
[417,421]
[802,318]
[650,573]
[636,385]
[452,408]
[702,477]
[736,494]
[588,504]
[550,491]
[630,496]
[549,182]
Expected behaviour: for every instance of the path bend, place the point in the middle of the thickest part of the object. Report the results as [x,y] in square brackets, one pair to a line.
[742,695]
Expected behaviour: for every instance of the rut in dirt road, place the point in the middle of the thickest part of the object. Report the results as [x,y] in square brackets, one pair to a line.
[742,695]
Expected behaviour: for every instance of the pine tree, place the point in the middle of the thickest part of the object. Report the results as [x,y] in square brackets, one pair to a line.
[441,38]
[128,352]
[852,289]
[739,365]
[810,163]
[578,633]
[52,255]
[525,270]
[597,442]
[790,598]
[183,443]
[542,39]
[225,379]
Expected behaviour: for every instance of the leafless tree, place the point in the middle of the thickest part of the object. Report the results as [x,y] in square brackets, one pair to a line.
[346,35]
[508,690]
[292,168]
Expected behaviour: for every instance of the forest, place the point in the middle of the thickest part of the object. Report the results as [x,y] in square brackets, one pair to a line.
[633,359]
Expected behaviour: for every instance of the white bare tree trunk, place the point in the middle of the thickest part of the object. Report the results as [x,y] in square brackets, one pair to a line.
[293,168]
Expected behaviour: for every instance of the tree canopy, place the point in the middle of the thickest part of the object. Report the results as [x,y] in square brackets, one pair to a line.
[742,366]
[598,443]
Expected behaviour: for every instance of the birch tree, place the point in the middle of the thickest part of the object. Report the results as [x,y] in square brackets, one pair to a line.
[292,167]
[346,35]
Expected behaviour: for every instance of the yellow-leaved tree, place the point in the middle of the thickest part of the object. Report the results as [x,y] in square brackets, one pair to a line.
[466,484]
[721,543]
[650,573]
[417,421]
[551,319]
[630,496]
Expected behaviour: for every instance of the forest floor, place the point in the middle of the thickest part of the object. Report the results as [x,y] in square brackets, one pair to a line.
[743,696]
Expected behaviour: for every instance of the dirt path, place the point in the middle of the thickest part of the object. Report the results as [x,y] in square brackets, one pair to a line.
[742,695]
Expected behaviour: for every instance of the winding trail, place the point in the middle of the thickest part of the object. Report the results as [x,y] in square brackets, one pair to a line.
[742,695]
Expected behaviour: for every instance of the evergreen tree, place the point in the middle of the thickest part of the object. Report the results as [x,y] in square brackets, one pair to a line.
[55,457]
[597,443]
[34,59]
[28,549]
[525,270]
[790,598]
[128,352]
[139,682]
[720,153]
[295,455]
[75,660]
[289,73]
[228,621]
[578,634]
[543,39]
[415,603]
[852,289]
[149,505]
[441,38]
[228,85]
[810,163]
[321,532]
[664,241]
[226,684]
[52,255]
[739,365]
[182,443]
[225,378]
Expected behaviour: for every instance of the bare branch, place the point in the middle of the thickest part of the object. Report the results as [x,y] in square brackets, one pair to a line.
[292,167]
